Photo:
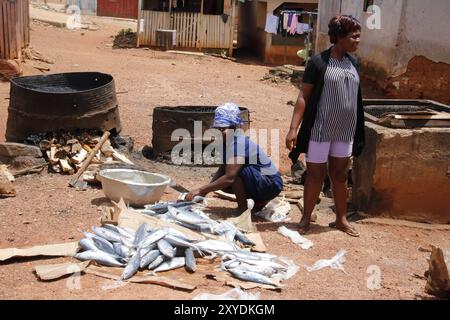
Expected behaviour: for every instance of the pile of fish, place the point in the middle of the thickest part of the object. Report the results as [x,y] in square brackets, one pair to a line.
[166,248]
[159,249]
[190,215]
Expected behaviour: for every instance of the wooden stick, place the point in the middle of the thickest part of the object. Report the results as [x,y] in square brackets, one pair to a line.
[86,163]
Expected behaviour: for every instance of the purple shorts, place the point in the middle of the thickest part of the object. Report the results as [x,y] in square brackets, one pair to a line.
[318,152]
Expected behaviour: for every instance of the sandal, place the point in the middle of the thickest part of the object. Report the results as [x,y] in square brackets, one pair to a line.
[350,231]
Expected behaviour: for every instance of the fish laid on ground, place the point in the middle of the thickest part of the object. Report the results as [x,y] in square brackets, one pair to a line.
[141,233]
[239,236]
[132,266]
[177,242]
[87,244]
[216,246]
[191,265]
[149,258]
[107,234]
[264,270]
[100,257]
[104,245]
[251,276]
[178,234]
[147,249]
[156,262]
[264,263]
[166,248]
[153,237]
[186,216]
[121,250]
[121,231]
[174,263]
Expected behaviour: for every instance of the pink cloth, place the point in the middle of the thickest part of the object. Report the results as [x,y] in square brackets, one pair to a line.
[294,23]
[318,152]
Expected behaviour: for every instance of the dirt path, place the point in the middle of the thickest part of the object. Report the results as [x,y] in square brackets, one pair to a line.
[47,211]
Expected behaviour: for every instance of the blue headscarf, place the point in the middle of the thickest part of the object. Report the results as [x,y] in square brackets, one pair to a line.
[227,115]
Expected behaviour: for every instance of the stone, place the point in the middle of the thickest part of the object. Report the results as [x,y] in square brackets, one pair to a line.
[12,150]
[6,187]
[438,282]
[9,69]
[25,163]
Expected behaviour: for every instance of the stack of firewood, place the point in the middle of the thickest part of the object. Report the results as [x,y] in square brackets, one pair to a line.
[66,154]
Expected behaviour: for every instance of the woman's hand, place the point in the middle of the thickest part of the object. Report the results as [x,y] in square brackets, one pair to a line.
[291,139]
[191,195]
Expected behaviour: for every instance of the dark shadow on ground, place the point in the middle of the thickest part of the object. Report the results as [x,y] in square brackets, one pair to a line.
[271,226]
[102,201]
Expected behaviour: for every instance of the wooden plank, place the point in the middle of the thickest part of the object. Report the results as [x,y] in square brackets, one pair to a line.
[2,37]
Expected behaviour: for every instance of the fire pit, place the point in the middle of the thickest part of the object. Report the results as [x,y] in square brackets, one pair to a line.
[402,171]
[80,100]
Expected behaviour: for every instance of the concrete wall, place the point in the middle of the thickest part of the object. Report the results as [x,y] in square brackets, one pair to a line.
[403,174]
[409,29]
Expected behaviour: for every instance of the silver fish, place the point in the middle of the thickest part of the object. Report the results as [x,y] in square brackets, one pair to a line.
[171,264]
[100,257]
[132,266]
[107,234]
[126,242]
[104,245]
[149,258]
[122,232]
[177,233]
[166,248]
[156,262]
[190,260]
[89,235]
[87,244]
[146,250]
[239,236]
[216,246]
[264,270]
[177,242]
[121,250]
[264,263]
[186,216]
[141,232]
[251,276]
[153,237]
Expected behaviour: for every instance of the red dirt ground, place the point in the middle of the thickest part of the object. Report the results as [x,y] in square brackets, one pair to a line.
[46,211]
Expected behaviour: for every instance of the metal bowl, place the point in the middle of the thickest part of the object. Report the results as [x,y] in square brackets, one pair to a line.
[138,188]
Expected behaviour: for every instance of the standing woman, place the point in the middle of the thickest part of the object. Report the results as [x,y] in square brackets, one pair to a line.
[330,110]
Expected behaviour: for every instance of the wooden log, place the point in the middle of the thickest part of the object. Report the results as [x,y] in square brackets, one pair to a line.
[79,157]
[66,167]
[118,156]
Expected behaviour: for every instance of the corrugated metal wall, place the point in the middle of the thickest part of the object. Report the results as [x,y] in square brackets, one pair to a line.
[194,30]
[118,8]
[14,28]
[86,6]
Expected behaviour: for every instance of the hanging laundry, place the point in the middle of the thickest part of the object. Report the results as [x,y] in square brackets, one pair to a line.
[306,27]
[294,23]
[285,21]
[290,18]
[299,29]
[271,23]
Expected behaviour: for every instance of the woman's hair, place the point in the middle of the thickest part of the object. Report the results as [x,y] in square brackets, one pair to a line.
[341,25]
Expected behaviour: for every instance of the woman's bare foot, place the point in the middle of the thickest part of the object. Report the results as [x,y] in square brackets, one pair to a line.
[304,225]
[345,227]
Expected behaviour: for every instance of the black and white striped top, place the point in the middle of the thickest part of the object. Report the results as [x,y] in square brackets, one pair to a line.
[336,113]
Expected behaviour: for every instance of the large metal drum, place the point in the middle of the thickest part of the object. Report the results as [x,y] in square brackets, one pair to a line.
[44,103]
[167,119]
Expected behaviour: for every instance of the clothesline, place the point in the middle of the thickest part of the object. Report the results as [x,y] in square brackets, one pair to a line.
[298,12]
